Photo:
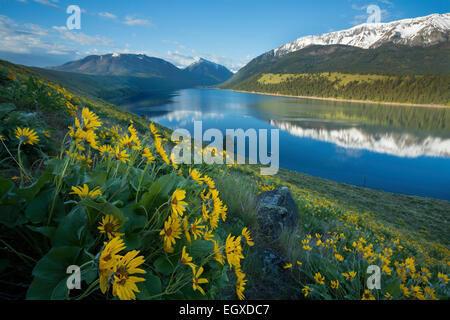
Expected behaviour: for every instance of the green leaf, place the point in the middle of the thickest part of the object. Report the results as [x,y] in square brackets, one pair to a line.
[50,273]
[104,208]
[37,208]
[6,108]
[201,248]
[72,230]
[159,192]
[163,265]
[46,231]
[150,287]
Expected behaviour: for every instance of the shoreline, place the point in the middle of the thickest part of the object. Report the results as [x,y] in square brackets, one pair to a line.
[403,104]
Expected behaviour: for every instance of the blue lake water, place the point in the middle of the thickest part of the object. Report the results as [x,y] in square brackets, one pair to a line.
[392,148]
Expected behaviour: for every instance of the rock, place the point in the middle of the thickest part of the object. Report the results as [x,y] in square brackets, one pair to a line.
[276,211]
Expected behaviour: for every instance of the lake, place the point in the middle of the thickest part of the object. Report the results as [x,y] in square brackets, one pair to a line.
[392,148]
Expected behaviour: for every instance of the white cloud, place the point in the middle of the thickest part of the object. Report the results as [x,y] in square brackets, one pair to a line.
[81,38]
[107,15]
[132,21]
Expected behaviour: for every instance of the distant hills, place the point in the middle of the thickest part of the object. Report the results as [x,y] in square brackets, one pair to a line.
[119,77]
[207,73]
[419,46]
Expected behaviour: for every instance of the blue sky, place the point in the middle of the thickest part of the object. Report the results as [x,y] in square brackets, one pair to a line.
[230,32]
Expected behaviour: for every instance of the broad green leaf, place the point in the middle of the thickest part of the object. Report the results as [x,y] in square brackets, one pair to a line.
[72,230]
[50,273]
[150,287]
[163,265]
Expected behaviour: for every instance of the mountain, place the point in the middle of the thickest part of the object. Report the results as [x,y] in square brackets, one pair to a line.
[114,64]
[423,31]
[119,78]
[207,73]
[411,46]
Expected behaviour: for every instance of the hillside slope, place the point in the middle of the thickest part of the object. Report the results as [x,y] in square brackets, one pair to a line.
[88,179]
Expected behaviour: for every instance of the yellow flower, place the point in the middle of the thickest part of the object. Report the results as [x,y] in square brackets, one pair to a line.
[339,257]
[110,225]
[124,285]
[121,155]
[171,231]
[105,149]
[443,277]
[47,133]
[218,256]
[84,192]
[240,284]
[367,295]
[233,250]
[287,266]
[248,239]
[388,296]
[177,203]
[319,278]
[108,259]
[197,281]
[90,119]
[148,155]
[186,259]
[307,290]
[334,284]
[196,228]
[195,175]
[299,263]
[26,135]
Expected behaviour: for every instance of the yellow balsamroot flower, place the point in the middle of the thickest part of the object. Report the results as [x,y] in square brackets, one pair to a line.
[248,238]
[108,259]
[196,228]
[319,278]
[334,284]
[90,119]
[186,259]
[47,133]
[349,275]
[209,182]
[26,136]
[299,263]
[287,266]
[388,296]
[233,250]
[2,137]
[339,257]
[240,284]
[443,277]
[218,256]
[124,285]
[195,175]
[177,203]
[307,290]
[171,231]
[197,281]
[148,155]
[83,192]
[109,225]
[121,155]
[105,149]
[367,295]
[208,235]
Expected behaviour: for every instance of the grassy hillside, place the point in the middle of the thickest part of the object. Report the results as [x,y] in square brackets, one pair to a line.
[425,89]
[84,181]
[390,73]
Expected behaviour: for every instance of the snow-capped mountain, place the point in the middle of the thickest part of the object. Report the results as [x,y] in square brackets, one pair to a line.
[422,31]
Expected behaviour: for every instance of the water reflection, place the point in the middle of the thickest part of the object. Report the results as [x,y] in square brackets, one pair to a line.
[399,144]
[393,148]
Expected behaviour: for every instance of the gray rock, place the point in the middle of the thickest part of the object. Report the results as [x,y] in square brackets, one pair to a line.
[276,211]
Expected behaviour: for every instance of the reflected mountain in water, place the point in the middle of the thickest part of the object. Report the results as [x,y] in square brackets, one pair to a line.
[400,144]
